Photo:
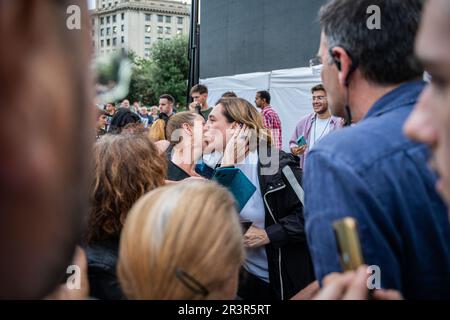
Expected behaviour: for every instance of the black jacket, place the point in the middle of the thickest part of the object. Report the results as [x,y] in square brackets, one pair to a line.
[289,260]
[102,262]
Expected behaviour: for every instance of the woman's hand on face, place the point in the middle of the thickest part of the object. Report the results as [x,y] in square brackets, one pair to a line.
[238,146]
[255,237]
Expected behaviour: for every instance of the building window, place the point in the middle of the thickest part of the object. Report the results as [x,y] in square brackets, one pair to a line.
[168,30]
[179,31]
[168,19]
[108,19]
[147,40]
[148,17]
[108,31]
[160,18]
[93,32]
[122,39]
[160,30]
[180,20]
[102,20]
[93,22]
[114,42]
[114,30]
[102,32]
[122,28]
[148,29]
[102,43]
[114,18]
[160,38]
[108,42]
[147,52]
[123,15]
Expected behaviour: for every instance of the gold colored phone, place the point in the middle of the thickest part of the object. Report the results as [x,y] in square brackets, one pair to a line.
[347,238]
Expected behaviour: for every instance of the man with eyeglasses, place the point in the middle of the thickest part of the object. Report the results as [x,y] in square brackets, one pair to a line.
[372,171]
[314,126]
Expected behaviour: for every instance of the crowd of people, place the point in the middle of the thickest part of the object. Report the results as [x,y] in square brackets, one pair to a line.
[141,210]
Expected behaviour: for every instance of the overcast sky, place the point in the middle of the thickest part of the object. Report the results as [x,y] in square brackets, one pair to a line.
[91,3]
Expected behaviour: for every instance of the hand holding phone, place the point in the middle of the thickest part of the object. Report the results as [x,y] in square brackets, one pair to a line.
[301,141]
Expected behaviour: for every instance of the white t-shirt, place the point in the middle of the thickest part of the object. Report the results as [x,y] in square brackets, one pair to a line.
[212,159]
[256,259]
[319,129]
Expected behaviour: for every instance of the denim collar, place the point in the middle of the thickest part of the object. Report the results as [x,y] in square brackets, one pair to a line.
[404,95]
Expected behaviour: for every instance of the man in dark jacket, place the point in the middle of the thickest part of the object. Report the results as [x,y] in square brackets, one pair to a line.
[371,171]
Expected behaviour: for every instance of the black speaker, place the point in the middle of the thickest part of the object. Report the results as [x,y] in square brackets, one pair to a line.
[243,36]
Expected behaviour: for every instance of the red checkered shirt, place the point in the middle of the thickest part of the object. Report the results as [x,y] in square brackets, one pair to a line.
[273,123]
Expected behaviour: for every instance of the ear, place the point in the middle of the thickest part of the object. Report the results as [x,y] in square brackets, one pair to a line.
[187,129]
[343,63]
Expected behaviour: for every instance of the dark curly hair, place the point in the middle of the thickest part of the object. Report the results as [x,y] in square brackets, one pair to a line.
[126,167]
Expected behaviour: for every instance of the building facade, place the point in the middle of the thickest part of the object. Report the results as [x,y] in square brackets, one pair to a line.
[135,25]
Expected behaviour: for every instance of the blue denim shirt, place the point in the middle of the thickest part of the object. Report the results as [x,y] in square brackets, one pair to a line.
[373,173]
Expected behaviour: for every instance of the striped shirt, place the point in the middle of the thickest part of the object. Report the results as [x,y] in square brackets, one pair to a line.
[273,123]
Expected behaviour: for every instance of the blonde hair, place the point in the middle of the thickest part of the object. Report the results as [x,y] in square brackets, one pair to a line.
[241,111]
[157,130]
[176,122]
[189,226]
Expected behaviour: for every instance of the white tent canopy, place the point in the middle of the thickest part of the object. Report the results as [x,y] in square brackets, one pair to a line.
[290,90]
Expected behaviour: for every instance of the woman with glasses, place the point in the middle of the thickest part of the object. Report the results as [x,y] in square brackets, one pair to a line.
[182,242]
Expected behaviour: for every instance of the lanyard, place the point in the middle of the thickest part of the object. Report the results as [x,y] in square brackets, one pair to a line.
[325,129]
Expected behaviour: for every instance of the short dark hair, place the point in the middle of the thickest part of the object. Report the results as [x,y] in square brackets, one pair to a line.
[264,95]
[168,97]
[386,55]
[199,88]
[318,87]
[121,119]
[101,113]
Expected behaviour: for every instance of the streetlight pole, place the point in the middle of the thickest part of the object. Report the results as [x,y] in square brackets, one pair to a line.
[194,48]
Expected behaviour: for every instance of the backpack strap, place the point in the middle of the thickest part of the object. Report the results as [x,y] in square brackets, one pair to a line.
[287,171]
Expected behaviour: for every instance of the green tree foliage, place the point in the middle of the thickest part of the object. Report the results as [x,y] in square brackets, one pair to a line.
[165,72]
[140,88]
[169,69]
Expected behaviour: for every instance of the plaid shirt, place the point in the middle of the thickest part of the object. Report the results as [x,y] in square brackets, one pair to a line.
[273,123]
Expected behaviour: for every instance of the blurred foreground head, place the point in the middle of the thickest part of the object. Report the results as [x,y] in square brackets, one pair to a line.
[430,121]
[45,80]
[182,241]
